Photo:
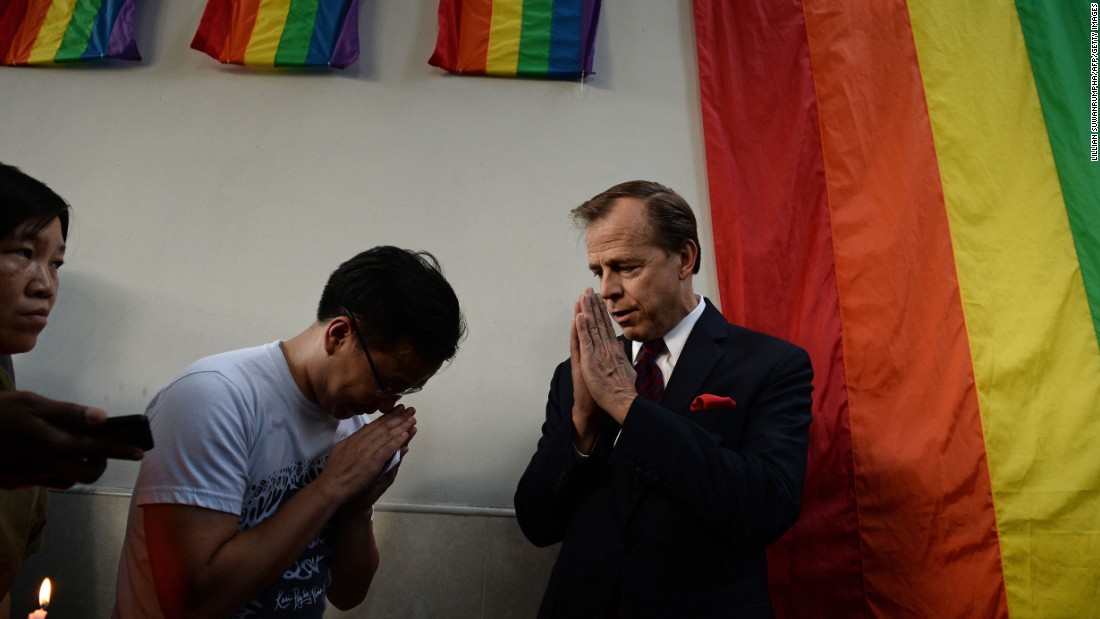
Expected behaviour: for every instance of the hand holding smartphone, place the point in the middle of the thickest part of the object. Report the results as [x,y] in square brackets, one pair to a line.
[129,429]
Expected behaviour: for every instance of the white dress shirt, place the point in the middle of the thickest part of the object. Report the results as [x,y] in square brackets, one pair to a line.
[675,340]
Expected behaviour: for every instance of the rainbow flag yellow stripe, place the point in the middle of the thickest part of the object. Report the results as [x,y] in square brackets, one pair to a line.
[909,190]
[1036,360]
[530,38]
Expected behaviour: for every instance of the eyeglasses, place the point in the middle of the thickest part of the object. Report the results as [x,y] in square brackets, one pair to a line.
[384,389]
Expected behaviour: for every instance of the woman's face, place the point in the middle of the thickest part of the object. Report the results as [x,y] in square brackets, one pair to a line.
[28,283]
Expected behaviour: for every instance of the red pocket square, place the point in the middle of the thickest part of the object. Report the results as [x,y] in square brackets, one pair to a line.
[708,402]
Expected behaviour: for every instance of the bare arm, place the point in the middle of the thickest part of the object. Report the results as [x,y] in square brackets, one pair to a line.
[354,561]
[355,558]
[204,568]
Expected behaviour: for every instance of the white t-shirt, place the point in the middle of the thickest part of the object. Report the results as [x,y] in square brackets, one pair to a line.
[233,433]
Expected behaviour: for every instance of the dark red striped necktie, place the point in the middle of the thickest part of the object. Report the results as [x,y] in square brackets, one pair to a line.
[650,384]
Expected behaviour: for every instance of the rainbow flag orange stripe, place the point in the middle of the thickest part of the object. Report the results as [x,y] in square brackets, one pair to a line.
[529,38]
[909,190]
[56,31]
[280,33]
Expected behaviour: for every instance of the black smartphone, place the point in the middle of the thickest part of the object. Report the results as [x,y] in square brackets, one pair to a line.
[129,429]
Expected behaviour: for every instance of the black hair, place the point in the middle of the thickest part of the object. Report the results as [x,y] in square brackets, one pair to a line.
[671,220]
[397,296]
[24,198]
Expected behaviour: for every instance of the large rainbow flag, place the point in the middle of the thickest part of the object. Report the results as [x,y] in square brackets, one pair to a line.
[529,38]
[909,190]
[280,33]
[54,31]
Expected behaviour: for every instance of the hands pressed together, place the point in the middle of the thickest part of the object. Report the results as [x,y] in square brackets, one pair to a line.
[43,442]
[355,466]
[603,376]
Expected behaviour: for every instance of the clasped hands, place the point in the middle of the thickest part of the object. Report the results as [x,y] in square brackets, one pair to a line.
[356,464]
[603,377]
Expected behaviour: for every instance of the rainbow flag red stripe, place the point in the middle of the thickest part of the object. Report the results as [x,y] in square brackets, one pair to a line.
[909,190]
[280,33]
[529,38]
[56,31]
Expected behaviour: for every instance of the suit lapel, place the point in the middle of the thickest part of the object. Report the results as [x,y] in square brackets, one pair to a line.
[696,362]
[701,353]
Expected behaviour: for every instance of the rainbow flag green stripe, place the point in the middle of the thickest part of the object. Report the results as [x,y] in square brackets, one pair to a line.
[297,33]
[1058,42]
[79,32]
[280,33]
[534,39]
[54,31]
[508,38]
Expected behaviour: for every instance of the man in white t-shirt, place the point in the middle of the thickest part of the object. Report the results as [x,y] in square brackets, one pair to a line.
[258,499]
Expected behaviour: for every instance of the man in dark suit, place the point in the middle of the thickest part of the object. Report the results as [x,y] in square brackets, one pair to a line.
[672,457]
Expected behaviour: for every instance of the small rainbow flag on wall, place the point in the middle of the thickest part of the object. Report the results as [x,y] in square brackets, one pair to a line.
[280,33]
[52,31]
[530,38]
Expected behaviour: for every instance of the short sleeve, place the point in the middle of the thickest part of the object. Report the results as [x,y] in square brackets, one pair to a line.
[203,429]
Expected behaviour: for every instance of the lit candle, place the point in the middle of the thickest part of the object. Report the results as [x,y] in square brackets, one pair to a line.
[43,600]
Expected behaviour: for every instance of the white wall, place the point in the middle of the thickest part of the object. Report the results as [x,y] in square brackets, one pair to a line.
[211,203]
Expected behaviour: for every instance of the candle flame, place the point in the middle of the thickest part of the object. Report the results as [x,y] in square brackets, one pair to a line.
[44,593]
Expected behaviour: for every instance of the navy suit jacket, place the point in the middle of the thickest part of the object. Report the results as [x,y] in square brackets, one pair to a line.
[673,520]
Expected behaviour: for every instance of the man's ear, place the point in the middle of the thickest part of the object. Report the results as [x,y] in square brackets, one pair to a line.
[338,332]
[688,254]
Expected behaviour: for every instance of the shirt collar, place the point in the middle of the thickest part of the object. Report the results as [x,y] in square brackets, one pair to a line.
[677,338]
